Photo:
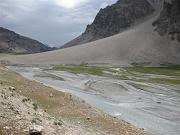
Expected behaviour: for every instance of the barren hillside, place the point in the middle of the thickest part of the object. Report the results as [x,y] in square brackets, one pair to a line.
[11,42]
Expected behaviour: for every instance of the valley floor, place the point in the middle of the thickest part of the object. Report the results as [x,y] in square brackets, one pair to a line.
[24,103]
[146,97]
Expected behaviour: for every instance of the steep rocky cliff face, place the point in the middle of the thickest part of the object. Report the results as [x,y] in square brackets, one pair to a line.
[168,22]
[114,19]
[10,42]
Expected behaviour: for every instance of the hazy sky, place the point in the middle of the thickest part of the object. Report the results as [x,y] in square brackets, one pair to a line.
[53,22]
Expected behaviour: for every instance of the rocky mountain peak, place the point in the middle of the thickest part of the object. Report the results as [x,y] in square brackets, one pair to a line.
[114,19]
[168,22]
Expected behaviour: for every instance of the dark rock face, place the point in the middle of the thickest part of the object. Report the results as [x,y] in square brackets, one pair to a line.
[10,42]
[114,19]
[169,20]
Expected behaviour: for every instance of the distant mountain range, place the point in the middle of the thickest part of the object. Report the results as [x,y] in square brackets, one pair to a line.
[11,42]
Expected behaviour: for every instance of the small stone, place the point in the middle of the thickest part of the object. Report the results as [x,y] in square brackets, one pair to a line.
[41,113]
[26,130]
[11,108]
[12,95]
[88,118]
[12,88]
[17,112]
[6,128]
[35,130]
[3,103]
[142,129]
[51,95]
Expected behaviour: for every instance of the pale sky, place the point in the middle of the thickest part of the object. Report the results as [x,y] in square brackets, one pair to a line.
[52,22]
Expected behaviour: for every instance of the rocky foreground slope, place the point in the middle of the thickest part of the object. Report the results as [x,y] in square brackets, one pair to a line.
[11,42]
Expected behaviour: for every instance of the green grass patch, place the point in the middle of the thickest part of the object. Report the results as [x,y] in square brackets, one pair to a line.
[169,71]
[130,73]
[35,106]
[80,69]
[162,81]
[173,74]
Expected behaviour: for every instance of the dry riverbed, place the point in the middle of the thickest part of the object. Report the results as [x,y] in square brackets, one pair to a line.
[146,97]
[25,103]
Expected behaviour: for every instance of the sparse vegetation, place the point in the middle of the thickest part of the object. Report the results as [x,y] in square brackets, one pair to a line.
[25,100]
[139,74]
[35,106]
[36,120]
[58,122]
[80,69]
[171,71]
[162,81]
[171,74]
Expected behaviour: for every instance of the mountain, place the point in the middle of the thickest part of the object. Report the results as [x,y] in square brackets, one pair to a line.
[11,42]
[144,44]
[168,22]
[113,20]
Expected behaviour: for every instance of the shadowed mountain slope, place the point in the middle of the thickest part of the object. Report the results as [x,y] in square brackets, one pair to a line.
[11,42]
[113,20]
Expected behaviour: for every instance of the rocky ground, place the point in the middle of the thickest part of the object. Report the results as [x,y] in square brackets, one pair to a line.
[25,109]
[19,114]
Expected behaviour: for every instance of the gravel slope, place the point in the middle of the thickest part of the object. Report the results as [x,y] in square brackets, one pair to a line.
[139,45]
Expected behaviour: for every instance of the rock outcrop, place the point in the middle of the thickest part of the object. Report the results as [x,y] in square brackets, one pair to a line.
[11,42]
[168,22]
[114,19]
